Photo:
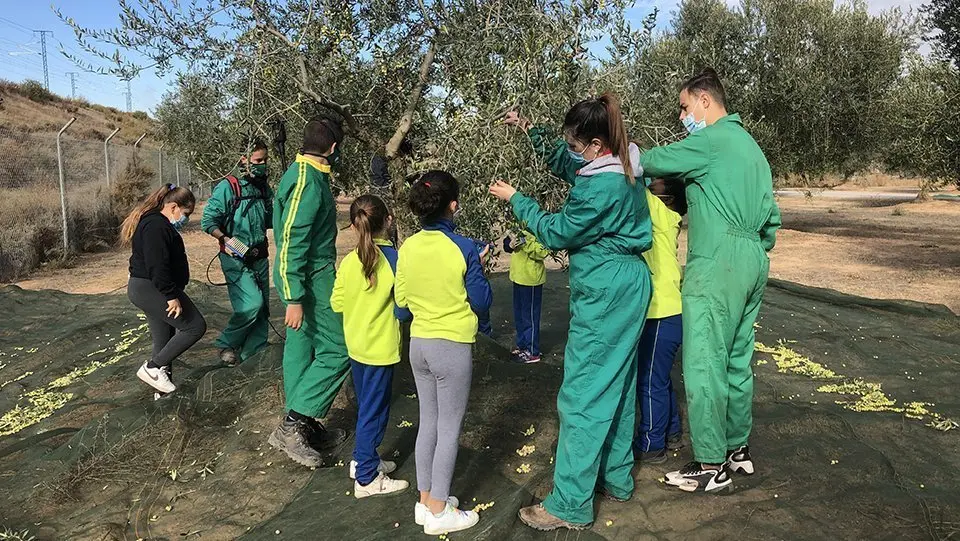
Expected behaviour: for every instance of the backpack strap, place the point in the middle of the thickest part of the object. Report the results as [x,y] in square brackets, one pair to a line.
[235,188]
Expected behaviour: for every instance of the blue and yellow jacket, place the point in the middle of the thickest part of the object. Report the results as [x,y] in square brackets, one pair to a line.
[526,262]
[371,319]
[440,279]
[662,260]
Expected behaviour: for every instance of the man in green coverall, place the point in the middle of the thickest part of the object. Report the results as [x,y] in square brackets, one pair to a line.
[315,362]
[733,220]
[240,222]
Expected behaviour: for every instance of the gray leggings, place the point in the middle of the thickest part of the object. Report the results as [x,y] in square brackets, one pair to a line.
[171,337]
[442,370]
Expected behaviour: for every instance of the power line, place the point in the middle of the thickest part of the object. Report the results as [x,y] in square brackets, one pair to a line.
[43,45]
[18,26]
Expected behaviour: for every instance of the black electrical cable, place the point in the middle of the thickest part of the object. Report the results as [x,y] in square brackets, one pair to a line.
[256,279]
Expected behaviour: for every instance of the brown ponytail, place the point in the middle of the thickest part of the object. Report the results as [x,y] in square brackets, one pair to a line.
[169,193]
[369,214]
[619,143]
[600,118]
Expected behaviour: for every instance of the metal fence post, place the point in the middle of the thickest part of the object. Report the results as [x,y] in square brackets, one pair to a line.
[160,164]
[106,155]
[137,144]
[177,164]
[63,189]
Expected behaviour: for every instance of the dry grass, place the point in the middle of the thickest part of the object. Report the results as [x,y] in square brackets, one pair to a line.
[31,229]
[31,225]
[22,114]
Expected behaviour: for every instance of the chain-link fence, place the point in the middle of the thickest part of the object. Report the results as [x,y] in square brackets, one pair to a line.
[99,183]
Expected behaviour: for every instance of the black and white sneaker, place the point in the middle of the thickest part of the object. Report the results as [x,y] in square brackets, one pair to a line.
[739,460]
[695,478]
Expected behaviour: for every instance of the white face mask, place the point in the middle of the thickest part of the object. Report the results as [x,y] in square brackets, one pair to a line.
[691,124]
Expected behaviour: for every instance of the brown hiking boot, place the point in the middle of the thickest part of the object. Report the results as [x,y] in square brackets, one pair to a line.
[538,518]
[291,438]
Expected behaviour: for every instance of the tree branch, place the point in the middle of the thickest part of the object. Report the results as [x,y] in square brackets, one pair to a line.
[406,120]
[303,83]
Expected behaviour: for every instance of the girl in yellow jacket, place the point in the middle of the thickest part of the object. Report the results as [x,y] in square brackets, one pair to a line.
[363,293]
[528,274]
[659,427]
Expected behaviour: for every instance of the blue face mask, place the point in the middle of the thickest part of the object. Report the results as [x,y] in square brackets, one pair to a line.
[181,223]
[576,156]
[692,125]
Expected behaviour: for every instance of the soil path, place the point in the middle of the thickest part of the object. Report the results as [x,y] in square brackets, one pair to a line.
[873,247]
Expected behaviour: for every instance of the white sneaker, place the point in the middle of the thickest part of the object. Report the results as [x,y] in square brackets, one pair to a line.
[420,511]
[381,485]
[156,378]
[385,466]
[450,520]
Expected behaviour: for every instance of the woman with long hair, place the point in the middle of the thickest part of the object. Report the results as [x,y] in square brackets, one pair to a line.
[159,272]
[605,227]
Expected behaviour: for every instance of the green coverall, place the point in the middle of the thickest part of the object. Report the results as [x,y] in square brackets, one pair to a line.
[315,362]
[733,220]
[605,227]
[248,283]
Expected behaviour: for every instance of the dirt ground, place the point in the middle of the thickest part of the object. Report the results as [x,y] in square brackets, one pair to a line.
[885,251]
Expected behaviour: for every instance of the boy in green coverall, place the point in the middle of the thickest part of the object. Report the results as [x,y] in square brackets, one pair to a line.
[245,219]
[315,362]
[733,220]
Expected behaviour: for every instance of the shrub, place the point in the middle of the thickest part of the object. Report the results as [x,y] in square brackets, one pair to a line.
[34,91]
[132,185]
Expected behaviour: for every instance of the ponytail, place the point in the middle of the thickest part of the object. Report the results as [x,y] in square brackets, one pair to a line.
[619,143]
[166,194]
[368,214]
[600,118]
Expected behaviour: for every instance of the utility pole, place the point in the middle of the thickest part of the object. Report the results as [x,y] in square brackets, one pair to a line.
[73,84]
[43,46]
[129,98]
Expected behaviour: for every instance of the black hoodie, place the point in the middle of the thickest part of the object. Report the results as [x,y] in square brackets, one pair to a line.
[159,255]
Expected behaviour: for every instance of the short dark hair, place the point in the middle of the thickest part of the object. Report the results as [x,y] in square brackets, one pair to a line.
[706,81]
[320,134]
[257,145]
[431,194]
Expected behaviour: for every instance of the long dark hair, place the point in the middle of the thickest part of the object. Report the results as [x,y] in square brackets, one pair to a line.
[169,193]
[431,194]
[368,213]
[600,118]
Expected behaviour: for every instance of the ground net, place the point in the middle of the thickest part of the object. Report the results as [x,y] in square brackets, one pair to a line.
[854,405]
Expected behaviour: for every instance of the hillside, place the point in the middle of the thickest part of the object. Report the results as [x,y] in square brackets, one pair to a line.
[31,221]
[29,108]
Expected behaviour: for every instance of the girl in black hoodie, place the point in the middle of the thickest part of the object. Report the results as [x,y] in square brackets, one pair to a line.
[159,272]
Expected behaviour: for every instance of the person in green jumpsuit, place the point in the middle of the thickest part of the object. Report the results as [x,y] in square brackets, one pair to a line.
[605,227]
[238,222]
[315,362]
[733,219]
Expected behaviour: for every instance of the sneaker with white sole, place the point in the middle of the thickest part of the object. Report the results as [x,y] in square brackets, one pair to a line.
[740,461]
[449,521]
[156,378]
[379,486]
[694,477]
[420,511]
[385,466]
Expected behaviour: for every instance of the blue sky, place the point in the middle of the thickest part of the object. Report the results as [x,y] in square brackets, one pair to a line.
[20,48]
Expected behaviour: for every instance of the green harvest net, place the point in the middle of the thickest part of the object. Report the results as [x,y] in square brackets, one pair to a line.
[854,410]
